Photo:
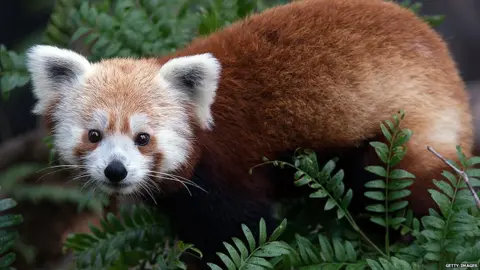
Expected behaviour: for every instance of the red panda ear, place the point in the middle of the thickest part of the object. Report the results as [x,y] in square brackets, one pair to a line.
[197,78]
[53,70]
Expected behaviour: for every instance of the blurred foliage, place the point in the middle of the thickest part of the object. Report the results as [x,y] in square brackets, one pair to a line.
[8,236]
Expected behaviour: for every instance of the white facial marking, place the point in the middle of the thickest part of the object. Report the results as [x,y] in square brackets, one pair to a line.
[139,123]
[197,77]
[99,120]
[122,148]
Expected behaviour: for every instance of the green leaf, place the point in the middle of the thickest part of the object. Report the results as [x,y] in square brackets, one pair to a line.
[5,60]
[375,184]
[381,149]
[442,201]
[272,249]
[326,248]
[397,206]
[378,170]
[445,187]
[338,249]
[80,32]
[330,204]
[403,137]
[398,153]
[278,231]
[434,222]
[7,260]
[375,195]
[396,221]
[6,204]
[226,260]
[400,174]
[378,208]
[214,266]
[248,234]
[241,247]
[347,199]
[233,254]
[321,193]
[398,194]
[473,161]
[263,232]
[386,132]
[374,265]
[399,184]
[378,220]
[10,220]
[386,264]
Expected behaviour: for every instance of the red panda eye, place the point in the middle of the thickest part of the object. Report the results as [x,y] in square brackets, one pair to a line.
[94,136]
[142,139]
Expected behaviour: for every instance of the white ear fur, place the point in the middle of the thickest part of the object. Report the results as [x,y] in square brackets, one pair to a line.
[196,76]
[52,69]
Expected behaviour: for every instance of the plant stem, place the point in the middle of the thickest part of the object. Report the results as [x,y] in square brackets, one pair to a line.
[463,174]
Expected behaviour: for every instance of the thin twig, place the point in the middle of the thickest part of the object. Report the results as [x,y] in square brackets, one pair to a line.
[460,172]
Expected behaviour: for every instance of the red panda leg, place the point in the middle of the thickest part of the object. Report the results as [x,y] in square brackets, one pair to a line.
[209,219]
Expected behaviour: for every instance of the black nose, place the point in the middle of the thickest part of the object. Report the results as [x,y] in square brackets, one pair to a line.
[115,171]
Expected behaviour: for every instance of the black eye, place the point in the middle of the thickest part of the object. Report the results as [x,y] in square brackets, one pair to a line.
[142,139]
[94,136]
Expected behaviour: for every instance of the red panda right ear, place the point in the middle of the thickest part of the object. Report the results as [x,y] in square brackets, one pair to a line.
[53,70]
[197,77]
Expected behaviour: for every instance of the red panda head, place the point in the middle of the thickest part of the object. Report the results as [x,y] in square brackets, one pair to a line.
[123,121]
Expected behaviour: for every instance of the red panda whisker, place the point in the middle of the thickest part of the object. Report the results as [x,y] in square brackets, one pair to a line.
[173,175]
[52,172]
[151,182]
[62,166]
[188,182]
[80,176]
[173,179]
[145,187]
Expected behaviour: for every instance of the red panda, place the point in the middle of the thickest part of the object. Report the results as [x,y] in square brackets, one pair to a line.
[318,74]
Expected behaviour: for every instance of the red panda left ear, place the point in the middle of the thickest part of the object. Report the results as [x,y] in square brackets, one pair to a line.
[53,71]
[196,77]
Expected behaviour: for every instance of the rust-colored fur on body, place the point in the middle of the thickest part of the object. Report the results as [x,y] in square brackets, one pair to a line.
[318,74]
[322,74]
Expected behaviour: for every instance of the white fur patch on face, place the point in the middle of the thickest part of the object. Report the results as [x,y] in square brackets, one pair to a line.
[99,120]
[122,148]
[139,123]
[54,71]
[197,78]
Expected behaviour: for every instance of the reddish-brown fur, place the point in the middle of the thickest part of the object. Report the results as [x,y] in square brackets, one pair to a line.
[316,74]
[322,74]
[319,74]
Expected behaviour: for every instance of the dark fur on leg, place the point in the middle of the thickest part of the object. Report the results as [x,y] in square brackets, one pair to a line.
[208,219]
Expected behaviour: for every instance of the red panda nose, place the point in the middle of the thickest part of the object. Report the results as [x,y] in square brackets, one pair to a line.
[115,171]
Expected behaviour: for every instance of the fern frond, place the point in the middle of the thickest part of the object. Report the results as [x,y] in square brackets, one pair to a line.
[7,235]
[392,189]
[13,71]
[392,264]
[258,252]
[140,236]
[447,234]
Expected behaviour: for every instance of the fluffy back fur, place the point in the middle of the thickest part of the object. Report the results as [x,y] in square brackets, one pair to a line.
[319,74]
